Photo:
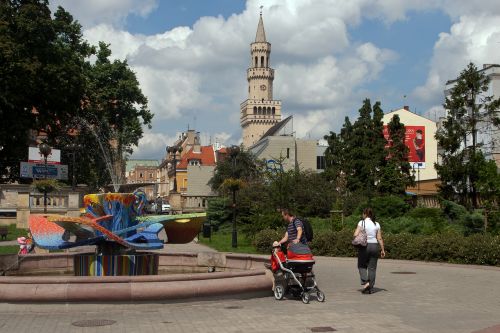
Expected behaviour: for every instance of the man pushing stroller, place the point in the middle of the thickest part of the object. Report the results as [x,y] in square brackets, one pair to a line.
[293,272]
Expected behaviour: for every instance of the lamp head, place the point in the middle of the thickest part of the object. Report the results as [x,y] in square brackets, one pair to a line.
[44,149]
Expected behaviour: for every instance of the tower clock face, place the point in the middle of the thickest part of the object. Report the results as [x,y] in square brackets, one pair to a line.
[263,87]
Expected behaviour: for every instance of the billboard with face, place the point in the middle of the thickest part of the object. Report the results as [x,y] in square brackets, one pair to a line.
[415,141]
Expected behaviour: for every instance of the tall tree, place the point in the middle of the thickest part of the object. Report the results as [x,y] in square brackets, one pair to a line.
[364,152]
[396,175]
[469,110]
[114,110]
[42,80]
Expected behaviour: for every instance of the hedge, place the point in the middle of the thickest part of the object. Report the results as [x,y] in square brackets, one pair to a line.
[452,247]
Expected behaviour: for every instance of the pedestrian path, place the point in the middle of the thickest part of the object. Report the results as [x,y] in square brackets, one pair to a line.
[410,297]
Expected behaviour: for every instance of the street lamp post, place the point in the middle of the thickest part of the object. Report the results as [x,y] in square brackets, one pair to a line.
[73,147]
[45,150]
[173,151]
[235,150]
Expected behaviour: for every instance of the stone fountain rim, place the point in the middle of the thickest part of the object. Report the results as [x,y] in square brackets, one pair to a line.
[140,288]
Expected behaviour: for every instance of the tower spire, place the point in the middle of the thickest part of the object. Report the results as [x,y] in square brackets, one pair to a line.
[260,37]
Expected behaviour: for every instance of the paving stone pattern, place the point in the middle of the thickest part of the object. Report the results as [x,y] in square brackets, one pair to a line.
[437,298]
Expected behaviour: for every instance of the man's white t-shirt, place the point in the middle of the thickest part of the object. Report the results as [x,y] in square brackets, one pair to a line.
[371,229]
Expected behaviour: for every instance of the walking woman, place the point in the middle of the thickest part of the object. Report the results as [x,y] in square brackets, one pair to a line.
[368,255]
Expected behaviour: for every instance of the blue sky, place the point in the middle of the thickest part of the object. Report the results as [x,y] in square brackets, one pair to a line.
[191,57]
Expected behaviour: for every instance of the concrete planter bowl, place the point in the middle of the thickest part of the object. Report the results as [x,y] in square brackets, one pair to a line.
[40,278]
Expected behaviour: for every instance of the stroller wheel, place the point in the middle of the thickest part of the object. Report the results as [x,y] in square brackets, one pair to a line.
[279,292]
[305,298]
[320,296]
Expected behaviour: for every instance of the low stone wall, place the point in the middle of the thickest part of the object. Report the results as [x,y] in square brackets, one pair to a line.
[235,274]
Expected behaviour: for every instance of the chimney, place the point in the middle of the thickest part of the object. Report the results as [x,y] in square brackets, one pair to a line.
[406,107]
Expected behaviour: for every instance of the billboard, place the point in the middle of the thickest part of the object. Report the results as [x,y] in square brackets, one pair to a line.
[415,141]
[34,156]
[52,171]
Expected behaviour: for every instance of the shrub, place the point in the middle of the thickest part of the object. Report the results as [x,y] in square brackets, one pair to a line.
[261,221]
[263,240]
[448,246]
[385,206]
[423,212]
[453,210]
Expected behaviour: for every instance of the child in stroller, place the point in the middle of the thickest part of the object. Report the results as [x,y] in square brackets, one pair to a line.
[294,275]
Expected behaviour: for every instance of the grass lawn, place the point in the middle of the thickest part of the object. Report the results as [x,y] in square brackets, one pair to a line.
[221,241]
[9,249]
[14,232]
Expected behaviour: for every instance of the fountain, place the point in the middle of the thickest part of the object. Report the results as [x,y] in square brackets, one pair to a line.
[120,270]
[124,266]
[113,222]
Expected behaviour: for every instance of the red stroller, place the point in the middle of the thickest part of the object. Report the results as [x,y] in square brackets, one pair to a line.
[294,275]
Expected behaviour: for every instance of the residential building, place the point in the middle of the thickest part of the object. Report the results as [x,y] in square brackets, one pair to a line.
[422,145]
[187,183]
[143,172]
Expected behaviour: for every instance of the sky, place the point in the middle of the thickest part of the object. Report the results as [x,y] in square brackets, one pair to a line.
[191,57]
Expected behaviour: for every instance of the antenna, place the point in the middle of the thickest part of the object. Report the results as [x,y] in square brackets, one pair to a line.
[261,10]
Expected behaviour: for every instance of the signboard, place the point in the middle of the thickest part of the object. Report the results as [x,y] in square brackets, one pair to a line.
[34,156]
[53,171]
[415,141]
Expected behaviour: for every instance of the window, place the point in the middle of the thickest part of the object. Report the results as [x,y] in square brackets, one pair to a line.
[254,110]
[140,175]
[288,153]
[273,110]
[150,175]
[194,162]
[256,62]
[320,162]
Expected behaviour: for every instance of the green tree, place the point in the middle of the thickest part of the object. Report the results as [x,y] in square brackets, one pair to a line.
[356,155]
[468,109]
[244,166]
[42,76]
[395,176]
[115,108]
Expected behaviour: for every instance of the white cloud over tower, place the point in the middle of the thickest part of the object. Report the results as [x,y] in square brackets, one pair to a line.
[320,71]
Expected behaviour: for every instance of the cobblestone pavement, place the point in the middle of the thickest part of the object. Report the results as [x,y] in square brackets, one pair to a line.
[436,298]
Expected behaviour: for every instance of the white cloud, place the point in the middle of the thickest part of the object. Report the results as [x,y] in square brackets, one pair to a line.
[472,38]
[199,72]
[114,12]
[152,145]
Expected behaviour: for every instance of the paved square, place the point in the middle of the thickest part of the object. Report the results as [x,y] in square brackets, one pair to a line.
[436,298]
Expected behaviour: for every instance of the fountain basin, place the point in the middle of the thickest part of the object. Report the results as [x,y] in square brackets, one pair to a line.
[91,264]
[234,274]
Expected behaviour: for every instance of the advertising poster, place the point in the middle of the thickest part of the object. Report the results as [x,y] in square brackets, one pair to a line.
[415,141]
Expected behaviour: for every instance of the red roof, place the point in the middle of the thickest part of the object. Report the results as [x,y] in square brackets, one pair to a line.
[206,156]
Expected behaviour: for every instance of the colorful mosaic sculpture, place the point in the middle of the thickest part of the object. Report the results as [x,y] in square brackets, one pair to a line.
[113,219]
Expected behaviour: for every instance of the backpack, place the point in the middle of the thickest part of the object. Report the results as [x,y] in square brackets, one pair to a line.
[308,231]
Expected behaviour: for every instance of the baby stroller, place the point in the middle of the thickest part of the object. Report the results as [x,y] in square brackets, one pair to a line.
[295,276]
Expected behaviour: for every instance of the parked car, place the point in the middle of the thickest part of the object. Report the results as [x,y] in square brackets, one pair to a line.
[165,208]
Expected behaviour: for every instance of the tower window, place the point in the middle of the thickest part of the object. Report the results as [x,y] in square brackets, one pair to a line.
[273,110]
[254,110]
[267,62]
[256,62]
[288,153]
[260,110]
[262,61]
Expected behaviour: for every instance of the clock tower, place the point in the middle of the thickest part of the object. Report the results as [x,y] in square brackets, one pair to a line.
[259,112]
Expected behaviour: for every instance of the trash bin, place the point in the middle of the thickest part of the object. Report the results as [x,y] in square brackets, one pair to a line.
[207,230]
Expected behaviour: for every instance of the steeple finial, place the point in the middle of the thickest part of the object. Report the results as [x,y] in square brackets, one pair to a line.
[260,37]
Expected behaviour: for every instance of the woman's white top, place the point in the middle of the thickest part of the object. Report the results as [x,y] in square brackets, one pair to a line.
[371,229]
